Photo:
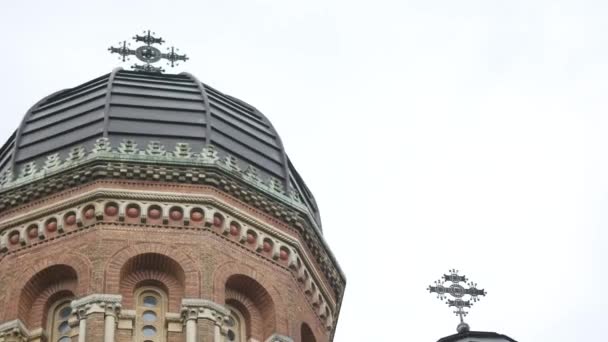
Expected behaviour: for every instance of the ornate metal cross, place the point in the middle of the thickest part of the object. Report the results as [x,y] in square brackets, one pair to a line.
[463,297]
[148,53]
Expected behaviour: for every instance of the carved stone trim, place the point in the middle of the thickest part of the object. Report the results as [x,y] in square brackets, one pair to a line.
[128,151]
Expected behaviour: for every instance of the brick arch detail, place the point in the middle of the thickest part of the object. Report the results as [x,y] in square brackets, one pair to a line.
[112,270]
[40,308]
[79,263]
[223,272]
[167,282]
[253,318]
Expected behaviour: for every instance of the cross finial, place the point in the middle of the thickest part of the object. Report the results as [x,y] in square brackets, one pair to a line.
[147,53]
[463,297]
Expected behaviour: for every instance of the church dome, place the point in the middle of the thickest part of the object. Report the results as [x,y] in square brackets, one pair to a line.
[154,118]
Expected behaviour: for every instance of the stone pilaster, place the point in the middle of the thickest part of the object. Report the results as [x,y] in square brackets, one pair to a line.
[174,327]
[126,322]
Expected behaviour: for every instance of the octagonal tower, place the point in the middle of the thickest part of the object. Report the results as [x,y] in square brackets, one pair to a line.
[151,207]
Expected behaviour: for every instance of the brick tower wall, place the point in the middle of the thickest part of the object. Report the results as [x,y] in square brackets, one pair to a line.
[95,245]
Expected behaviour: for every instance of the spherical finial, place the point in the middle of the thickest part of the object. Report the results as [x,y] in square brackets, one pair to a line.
[463,328]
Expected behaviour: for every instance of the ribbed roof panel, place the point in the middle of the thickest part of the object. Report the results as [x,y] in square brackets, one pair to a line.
[171,110]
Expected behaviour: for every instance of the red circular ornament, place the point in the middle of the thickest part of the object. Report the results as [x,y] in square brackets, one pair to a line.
[234,230]
[70,219]
[196,216]
[133,212]
[267,246]
[33,232]
[89,213]
[250,238]
[283,254]
[217,221]
[111,210]
[14,238]
[154,213]
[51,226]
[176,215]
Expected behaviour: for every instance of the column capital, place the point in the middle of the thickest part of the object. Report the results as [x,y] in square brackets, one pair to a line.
[194,308]
[189,313]
[15,329]
[112,309]
[108,304]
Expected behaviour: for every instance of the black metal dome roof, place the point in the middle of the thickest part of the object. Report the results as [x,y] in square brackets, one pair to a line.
[162,112]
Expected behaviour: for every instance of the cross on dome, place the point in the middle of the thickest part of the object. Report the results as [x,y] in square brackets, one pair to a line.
[148,53]
[463,297]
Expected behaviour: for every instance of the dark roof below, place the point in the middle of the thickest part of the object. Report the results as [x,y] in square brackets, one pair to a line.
[474,335]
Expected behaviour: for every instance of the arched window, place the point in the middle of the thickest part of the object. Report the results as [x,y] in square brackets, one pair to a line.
[150,315]
[235,326]
[307,334]
[59,329]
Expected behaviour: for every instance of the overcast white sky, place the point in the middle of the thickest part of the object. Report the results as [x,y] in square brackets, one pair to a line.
[434,134]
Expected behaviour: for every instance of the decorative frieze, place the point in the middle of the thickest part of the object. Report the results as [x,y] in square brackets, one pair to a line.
[129,148]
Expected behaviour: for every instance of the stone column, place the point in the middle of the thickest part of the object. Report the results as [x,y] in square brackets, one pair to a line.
[81,314]
[203,317]
[217,332]
[190,316]
[97,305]
[111,313]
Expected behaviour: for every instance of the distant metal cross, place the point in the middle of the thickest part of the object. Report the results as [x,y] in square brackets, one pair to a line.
[463,297]
[148,53]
